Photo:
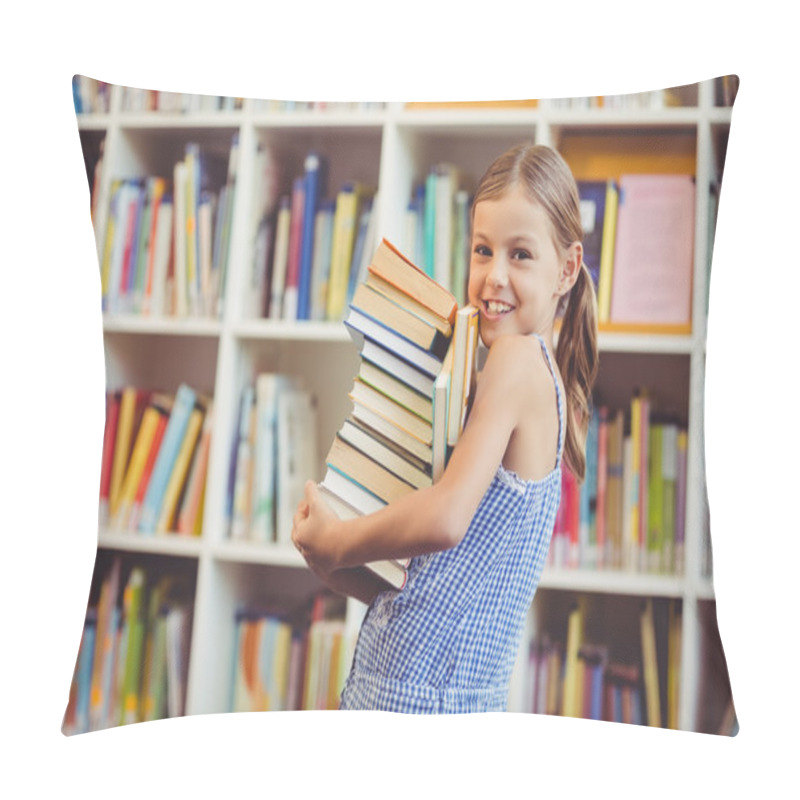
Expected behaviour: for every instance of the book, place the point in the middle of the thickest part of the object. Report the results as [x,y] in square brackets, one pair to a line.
[417,330]
[190,517]
[360,326]
[370,444]
[401,370]
[379,284]
[321,264]
[465,342]
[344,230]
[370,475]
[439,416]
[386,383]
[396,269]
[180,469]
[592,195]
[122,445]
[297,453]
[157,408]
[392,411]
[291,289]
[280,258]
[182,408]
[654,252]
[262,520]
[113,400]
[650,665]
[315,177]
[605,277]
[390,570]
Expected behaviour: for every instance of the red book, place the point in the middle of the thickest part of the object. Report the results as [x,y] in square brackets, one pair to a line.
[572,498]
[113,400]
[133,522]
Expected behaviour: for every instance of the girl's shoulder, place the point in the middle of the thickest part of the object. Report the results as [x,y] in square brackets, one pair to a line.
[518,362]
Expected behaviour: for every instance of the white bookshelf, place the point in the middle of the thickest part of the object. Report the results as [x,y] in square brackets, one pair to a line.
[390,149]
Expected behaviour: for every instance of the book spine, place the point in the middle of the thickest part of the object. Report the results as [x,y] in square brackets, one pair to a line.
[165,461]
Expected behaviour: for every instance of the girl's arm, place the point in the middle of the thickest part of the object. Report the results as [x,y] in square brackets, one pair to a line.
[437,517]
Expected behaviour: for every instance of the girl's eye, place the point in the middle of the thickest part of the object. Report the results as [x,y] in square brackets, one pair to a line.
[521,255]
[482,250]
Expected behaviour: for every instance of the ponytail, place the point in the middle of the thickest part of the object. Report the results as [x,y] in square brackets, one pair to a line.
[577,359]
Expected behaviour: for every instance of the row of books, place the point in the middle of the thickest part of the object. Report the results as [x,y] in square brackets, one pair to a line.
[273,454]
[155,460]
[135,99]
[280,665]
[575,677]
[630,512]
[167,240]
[132,663]
[409,397]
[90,96]
[278,106]
[639,249]
[311,251]
[438,229]
[658,98]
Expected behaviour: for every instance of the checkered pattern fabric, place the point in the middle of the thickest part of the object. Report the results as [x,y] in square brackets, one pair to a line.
[448,641]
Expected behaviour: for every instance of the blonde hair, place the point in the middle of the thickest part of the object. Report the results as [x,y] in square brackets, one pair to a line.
[547,180]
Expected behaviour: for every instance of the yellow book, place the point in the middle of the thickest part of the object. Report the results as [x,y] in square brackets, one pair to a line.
[650,666]
[674,668]
[108,247]
[344,229]
[633,510]
[179,471]
[122,444]
[573,683]
[133,474]
[607,254]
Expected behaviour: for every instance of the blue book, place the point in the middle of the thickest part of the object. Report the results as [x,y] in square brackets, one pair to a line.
[592,196]
[314,188]
[358,250]
[85,664]
[133,260]
[165,460]
[430,222]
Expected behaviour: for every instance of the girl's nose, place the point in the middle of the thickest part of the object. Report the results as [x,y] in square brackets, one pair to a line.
[498,274]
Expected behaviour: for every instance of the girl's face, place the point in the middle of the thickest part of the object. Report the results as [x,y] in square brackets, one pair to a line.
[517,274]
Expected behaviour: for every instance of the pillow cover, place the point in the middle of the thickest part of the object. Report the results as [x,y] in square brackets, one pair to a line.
[232,235]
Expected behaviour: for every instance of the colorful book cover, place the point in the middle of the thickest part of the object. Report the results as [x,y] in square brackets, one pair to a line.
[182,408]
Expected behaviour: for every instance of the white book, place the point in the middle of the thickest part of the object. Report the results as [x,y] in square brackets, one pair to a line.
[393,571]
[280,258]
[297,454]
[155,303]
[262,519]
[240,515]
[354,495]
[402,370]
[361,326]
[179,218]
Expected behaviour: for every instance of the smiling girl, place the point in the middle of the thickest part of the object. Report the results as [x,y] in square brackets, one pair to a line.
[478,538]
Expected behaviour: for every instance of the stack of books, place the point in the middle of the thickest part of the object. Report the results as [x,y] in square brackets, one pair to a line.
[409,396]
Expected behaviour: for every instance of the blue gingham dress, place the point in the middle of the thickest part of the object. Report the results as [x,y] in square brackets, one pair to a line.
[448,641]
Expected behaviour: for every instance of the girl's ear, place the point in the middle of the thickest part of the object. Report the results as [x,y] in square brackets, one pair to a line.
[570,268]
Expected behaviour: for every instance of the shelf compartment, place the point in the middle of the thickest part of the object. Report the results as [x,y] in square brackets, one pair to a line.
[160,362]
[160,545]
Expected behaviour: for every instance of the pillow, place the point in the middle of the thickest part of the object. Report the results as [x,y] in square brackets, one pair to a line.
[231,237]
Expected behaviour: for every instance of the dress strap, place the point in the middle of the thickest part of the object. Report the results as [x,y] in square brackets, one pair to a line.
[559,398]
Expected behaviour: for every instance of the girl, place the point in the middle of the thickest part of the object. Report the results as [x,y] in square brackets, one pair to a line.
[478,538]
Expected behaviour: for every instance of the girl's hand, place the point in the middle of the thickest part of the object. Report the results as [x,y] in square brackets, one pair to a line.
[313,532]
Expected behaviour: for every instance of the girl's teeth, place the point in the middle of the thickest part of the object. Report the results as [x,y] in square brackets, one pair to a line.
[497,308]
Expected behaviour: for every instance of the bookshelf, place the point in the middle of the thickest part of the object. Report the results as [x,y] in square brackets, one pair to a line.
[390,148]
